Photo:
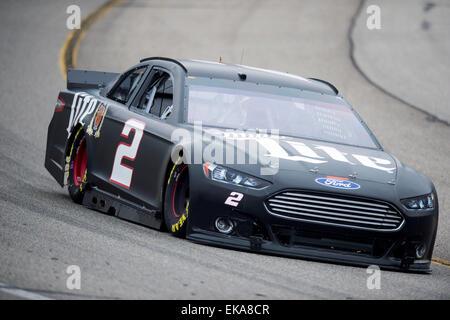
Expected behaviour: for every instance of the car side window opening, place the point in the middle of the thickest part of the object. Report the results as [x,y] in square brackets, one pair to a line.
[167,100]
[157,99]
[125,89]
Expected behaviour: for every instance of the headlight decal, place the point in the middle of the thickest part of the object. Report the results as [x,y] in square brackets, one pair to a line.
[227,175]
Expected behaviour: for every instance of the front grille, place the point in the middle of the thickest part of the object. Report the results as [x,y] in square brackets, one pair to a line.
[336,210]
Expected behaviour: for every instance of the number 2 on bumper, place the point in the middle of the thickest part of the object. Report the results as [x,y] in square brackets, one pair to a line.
[234,199]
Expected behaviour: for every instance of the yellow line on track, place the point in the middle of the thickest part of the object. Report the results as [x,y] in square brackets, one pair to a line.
[68,53]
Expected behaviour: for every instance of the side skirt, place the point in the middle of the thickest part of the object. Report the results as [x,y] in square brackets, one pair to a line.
[106,202]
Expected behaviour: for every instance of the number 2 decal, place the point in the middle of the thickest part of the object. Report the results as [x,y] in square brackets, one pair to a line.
[234,198]
[122,174]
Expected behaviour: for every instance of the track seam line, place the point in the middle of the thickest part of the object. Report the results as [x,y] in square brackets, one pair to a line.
[69,50]
[429,115]
[29,295]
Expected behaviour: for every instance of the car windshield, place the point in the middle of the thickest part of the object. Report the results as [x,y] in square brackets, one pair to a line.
[235,105]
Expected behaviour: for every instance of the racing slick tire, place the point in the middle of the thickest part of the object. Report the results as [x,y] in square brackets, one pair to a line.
[176,200]
[76,180]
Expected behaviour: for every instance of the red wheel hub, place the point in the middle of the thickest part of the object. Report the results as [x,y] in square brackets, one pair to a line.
[80,162]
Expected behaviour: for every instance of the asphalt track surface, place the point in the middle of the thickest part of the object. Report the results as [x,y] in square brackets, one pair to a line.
[388,75]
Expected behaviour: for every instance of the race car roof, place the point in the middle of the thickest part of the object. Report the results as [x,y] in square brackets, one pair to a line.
[200,68]
[257,75]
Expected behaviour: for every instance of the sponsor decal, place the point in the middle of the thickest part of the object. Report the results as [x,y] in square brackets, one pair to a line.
[60,103]
[70,156]
[97,120]
[179,224]
[83,104]
[266,147]
[338,183]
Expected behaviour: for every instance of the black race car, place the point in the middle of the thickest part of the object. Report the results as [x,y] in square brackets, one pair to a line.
[240,157]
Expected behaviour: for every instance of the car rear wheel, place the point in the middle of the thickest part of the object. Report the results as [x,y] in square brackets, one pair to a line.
[176,202]
[76,181]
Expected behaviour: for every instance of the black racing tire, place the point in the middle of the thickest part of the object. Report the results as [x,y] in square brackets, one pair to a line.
[76,180]
[176,200]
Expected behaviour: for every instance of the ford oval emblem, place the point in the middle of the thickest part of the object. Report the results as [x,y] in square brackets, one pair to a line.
[337,183]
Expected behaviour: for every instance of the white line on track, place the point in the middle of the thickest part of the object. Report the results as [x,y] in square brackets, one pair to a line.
[22,293]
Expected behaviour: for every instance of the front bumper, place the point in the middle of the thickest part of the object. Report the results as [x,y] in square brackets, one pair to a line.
[256,244]
[258,231]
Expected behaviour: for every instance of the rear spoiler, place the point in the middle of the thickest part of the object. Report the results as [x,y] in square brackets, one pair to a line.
[84,79]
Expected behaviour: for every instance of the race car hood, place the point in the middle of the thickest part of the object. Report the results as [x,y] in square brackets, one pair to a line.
[290,162]
[272,158]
